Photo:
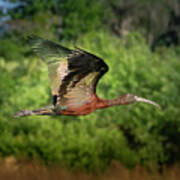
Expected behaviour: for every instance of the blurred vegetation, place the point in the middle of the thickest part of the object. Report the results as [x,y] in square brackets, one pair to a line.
[156,20]
[134,134]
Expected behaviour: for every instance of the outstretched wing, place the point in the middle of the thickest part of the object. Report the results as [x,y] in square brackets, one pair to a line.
[73,74]
[56,58]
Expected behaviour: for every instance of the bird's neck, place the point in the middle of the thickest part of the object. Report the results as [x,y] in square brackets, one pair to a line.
[122,100]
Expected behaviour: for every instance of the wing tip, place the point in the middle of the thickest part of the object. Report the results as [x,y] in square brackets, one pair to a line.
[32,39]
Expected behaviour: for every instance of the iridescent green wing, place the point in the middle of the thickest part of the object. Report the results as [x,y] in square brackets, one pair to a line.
[79,85]
[55,56]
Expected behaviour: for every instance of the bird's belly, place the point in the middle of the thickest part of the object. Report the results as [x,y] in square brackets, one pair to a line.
[82,110]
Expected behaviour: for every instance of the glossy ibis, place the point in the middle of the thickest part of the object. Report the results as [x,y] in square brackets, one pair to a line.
[74,75]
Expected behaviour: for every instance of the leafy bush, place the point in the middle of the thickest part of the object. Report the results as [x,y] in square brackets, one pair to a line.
[156,20]
[93,141]
[82,17]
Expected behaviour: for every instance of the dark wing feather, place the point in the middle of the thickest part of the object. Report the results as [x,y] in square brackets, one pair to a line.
[48,50]
[74,74]
[56,58]
[79,85]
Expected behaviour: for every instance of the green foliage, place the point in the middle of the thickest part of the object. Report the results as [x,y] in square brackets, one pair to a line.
[76,17]
[81,17]
[93,141]
[29,8]
[14,45]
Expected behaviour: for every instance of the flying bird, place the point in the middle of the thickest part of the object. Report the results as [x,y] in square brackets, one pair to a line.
[74,75]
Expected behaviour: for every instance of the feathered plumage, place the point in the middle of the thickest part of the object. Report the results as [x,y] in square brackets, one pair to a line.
[73,76]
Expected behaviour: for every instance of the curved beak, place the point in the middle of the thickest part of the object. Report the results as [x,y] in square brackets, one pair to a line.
[140,99]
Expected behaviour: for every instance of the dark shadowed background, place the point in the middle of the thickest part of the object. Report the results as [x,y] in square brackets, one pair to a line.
[138,39]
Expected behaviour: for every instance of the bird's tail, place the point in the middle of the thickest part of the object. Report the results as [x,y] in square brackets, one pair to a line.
[42,111]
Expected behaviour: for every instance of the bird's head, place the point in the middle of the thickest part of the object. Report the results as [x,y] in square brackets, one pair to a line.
[130,98]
